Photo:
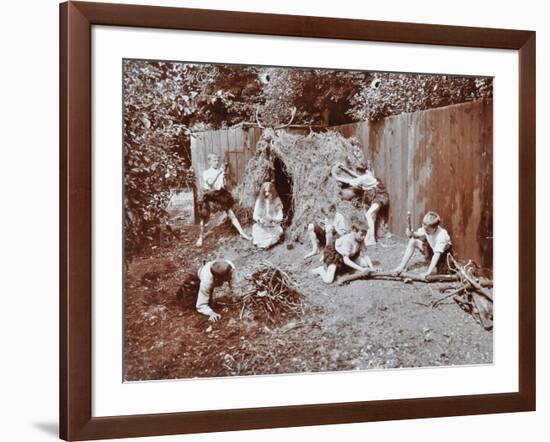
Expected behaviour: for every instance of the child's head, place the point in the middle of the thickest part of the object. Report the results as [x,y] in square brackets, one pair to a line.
[222,271]
[359,230]
[430,222]
[330,210]
[213,160]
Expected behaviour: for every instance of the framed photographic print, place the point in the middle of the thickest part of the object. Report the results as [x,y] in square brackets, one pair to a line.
[272,220]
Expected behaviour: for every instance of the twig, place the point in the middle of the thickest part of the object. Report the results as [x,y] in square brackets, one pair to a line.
[469,278]
[437,302]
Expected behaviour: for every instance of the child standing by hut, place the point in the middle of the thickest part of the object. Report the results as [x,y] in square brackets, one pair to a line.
[322,234]
[364,185]
[348,250]
[216,197]
[268,216]
[433,241]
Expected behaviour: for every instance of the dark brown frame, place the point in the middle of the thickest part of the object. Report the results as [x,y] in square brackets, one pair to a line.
[76,421]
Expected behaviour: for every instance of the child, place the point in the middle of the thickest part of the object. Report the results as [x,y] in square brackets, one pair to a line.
[363,184]
[433,241]
[216,197]
[323,234]
[202,283]
[349,250]
[268,216]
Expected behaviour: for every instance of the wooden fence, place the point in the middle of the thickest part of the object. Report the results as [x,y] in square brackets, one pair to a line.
[439,159]
[235,146]
[442,160]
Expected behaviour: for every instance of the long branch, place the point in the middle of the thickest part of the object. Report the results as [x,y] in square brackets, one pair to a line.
[388,276]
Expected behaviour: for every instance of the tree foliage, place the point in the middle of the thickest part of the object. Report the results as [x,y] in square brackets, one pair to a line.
[320,96]
[391,94]
[160,100]
[165,101]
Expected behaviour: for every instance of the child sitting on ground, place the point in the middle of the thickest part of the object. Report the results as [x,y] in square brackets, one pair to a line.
[325,233]
[433,241]
[201,284]
[268,216]
[349,250]
[216,197]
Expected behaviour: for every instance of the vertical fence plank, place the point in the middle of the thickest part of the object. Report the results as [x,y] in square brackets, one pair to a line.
[239,147]
[439,159]
[412,132]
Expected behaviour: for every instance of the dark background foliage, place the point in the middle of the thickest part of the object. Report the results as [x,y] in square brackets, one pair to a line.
[164,102]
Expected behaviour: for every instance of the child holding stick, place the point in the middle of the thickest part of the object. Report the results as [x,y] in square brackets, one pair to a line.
[433,241]
[216,197]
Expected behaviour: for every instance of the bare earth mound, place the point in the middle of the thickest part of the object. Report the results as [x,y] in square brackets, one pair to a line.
[367,324]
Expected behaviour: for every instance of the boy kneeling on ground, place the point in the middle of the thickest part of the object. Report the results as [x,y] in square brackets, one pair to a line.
[433,241]
[348,250]
[201,284]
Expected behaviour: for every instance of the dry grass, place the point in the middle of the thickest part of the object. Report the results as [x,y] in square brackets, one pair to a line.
[272,294]
[308,161]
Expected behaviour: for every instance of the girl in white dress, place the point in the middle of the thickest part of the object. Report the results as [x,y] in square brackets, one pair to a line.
[268,216]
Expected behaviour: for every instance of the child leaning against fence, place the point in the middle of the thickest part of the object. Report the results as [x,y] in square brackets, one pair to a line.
[216,197]
[433,241]
[362,185]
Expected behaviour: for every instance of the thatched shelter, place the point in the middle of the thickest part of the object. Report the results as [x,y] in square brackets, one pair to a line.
[300,166]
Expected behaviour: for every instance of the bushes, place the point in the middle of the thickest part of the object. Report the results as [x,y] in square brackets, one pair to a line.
[392,94]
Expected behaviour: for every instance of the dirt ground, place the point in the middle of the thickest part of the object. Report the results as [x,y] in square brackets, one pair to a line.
[364,325]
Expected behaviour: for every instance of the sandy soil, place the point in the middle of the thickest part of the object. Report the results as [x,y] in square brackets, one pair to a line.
[367,324]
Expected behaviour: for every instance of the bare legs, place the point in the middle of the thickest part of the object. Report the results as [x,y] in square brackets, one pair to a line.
[235,223]
[314,241]
[327,274]
[411,247]
[370,216]
[201,235]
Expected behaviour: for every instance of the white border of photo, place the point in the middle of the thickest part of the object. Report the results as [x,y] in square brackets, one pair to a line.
[112,396]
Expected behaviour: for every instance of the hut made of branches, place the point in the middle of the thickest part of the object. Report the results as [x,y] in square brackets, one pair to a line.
[307,160]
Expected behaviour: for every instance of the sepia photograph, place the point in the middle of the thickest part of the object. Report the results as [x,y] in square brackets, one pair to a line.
[291,220]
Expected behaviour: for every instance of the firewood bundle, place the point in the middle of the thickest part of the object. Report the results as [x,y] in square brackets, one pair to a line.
[271,293]
[472,295]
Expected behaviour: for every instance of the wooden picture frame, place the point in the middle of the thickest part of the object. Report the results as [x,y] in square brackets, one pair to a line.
[76,421]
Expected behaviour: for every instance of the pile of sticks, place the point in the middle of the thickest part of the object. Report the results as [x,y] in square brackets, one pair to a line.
[271,292]
[472,294]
